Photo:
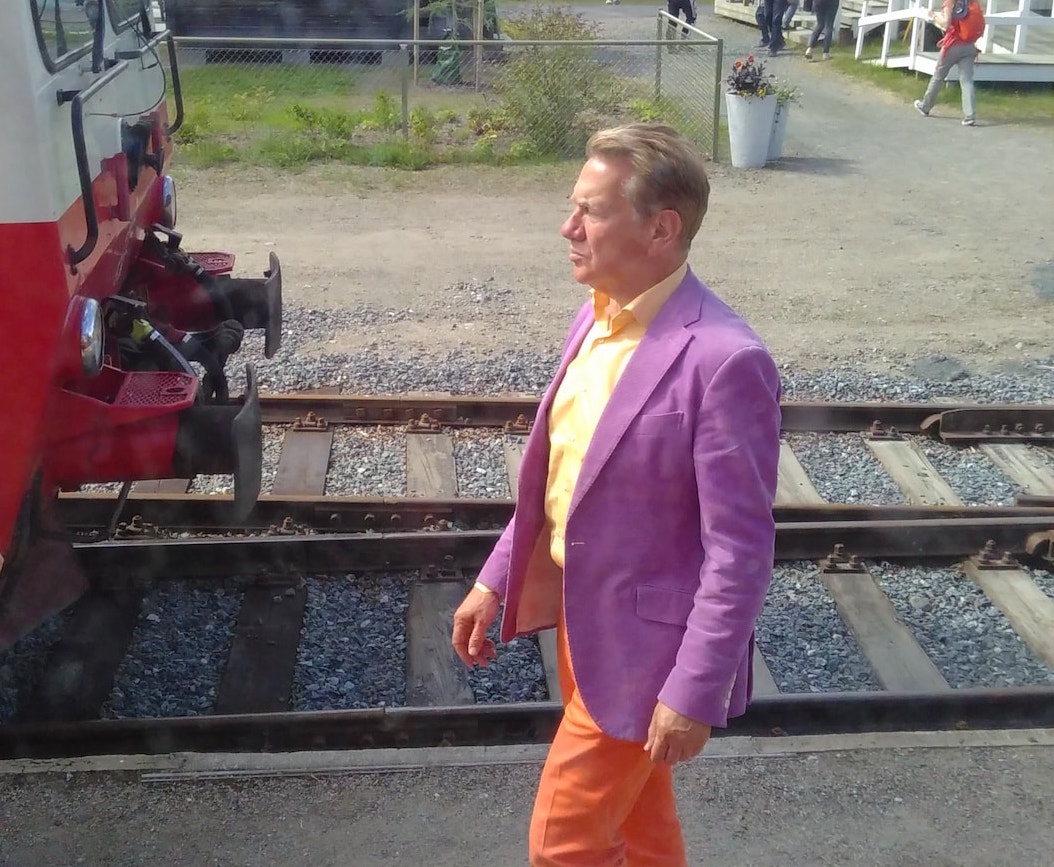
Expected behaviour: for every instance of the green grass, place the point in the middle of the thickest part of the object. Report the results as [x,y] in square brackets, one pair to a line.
[1029,103]
[293,116]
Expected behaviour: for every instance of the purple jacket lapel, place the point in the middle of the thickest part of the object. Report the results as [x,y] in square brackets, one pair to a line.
[662,343]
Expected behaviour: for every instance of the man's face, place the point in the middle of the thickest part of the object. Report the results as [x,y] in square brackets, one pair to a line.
[609,241]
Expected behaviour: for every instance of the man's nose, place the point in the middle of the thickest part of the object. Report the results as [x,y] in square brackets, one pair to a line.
[572,227]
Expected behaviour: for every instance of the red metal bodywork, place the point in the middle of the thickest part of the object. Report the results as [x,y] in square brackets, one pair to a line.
[74,429]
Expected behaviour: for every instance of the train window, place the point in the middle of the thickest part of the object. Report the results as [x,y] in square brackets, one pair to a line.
[64,27]
[122,11]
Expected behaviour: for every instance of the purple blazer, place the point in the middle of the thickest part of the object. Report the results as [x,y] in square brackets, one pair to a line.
[670,535]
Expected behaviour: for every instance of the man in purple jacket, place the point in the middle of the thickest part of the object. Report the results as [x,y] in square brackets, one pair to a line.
[644,527]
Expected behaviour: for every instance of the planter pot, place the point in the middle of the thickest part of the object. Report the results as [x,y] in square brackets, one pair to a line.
[779,130]
[749,128]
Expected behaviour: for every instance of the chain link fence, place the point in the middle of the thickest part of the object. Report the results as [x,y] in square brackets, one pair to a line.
[418,103]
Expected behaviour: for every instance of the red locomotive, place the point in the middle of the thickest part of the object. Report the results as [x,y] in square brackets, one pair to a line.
[113,340]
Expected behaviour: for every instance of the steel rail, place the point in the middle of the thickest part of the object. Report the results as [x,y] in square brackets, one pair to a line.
[83,511]
[484,725]
[270,557]
[817,416]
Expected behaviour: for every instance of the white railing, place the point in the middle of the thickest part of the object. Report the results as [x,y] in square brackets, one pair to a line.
[1021,19]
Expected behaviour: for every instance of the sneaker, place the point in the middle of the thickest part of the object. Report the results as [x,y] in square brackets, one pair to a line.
[808,53]
[827,57]
[920,109]
[968,121]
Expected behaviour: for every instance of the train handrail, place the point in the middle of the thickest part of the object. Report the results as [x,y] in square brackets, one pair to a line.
[80,150]
[177,89]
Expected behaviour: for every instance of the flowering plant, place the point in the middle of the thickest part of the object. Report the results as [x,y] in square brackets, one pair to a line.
[786,93]
[748,78]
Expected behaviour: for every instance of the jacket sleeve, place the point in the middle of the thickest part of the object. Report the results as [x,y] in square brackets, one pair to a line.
[736,453]
[495,571]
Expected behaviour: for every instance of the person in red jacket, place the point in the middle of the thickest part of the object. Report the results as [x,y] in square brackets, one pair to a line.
[963,24]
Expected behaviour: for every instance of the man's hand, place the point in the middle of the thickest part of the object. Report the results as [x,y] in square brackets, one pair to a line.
[673,737]
[471,620]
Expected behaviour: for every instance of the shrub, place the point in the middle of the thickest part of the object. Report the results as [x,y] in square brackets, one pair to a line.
[327,121]
[549,91]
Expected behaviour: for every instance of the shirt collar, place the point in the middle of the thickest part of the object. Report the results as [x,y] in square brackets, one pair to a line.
[645,307]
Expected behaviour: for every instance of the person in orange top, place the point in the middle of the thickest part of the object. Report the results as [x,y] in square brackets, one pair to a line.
[643,528]
[957,49]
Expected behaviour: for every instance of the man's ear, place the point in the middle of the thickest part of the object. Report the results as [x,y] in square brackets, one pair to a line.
[667,228]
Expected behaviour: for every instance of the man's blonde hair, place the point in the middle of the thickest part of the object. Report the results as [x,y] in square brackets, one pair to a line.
[668,172]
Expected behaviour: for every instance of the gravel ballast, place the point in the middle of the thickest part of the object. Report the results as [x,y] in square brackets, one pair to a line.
[968,638]
[803,640]
[345,664]
[176,655]
[352,650]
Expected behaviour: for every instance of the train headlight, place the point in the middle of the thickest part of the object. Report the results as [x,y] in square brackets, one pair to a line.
[168,202]
[91,336]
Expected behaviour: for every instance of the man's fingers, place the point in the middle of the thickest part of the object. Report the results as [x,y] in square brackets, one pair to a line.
[479,635]
[459,640]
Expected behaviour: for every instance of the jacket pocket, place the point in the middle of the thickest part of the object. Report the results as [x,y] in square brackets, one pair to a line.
[658,424]
[664,605]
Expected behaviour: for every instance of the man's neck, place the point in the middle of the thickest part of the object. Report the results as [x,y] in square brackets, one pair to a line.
[624,293]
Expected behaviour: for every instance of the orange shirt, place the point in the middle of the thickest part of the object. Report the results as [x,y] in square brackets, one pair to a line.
[587,386]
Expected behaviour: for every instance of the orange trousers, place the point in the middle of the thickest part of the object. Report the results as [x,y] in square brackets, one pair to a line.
[601,801]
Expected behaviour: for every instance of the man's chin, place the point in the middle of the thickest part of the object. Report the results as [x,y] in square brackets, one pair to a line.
[580,273]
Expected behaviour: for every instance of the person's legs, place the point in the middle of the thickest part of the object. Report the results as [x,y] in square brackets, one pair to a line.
[939,74]
[830,13]
[818,10]
[673,8]
[761,16]
[601,802]
[966,62]
[775,10]
[788,16]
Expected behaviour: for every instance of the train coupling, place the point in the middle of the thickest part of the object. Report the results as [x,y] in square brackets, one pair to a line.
[225,438]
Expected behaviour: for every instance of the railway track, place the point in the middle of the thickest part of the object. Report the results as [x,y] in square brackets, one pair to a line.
[160,533]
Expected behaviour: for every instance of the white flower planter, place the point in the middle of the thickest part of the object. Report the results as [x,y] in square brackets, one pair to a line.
[749,128]
[779,130]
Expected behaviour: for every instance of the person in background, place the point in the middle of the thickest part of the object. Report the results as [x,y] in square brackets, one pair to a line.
[774,10]
[761,16]
[788,16]
[826,11]
[643,529]
[963,24]
[675,8]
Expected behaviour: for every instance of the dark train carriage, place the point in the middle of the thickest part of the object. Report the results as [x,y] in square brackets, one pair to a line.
[317,19]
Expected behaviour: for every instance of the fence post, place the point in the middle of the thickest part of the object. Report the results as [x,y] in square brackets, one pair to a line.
[658,57]
[477,34]
[717,98]
[417,36]
[404,88]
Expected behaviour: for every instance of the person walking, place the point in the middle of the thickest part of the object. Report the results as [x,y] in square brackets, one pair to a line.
[643,530]
[774,10]
[826,11]
[675,8]
[963,24]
